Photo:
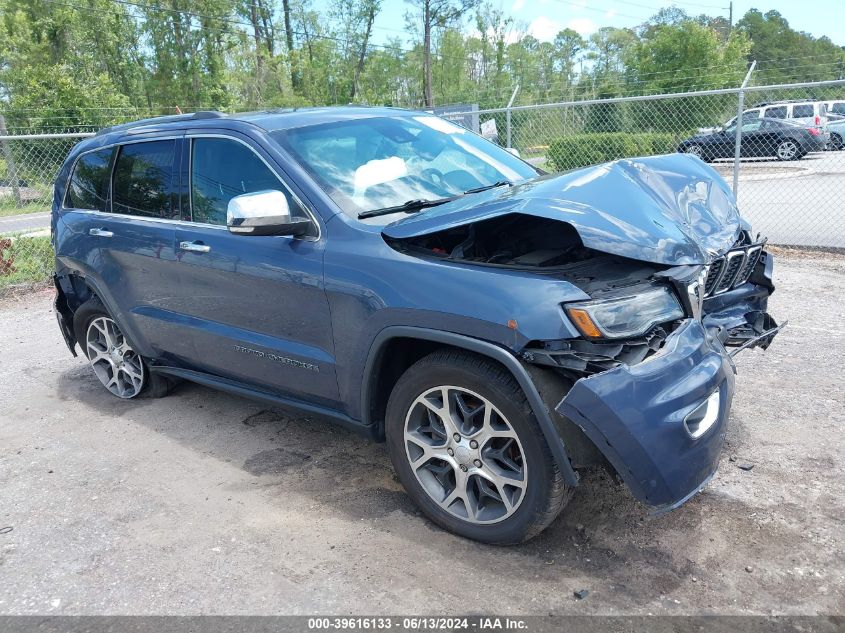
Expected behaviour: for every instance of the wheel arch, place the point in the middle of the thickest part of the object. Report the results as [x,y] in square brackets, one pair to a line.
[396,348]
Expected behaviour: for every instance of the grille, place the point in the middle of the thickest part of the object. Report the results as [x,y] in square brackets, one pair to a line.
[732,269]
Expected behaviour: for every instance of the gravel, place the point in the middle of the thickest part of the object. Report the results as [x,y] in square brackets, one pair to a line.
[205,503]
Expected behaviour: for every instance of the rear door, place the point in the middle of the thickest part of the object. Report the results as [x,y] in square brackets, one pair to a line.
[139,254]
[255,306]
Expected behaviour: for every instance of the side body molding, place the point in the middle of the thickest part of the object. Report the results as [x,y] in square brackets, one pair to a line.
[483,348]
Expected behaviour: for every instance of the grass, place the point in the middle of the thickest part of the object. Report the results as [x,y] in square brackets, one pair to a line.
[25,260]
[40,204]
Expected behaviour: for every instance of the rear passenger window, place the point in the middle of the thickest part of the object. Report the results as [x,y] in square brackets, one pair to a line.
[144,179]
[838,107]
[778,112]
[802,111]
[222,169]
[89,184]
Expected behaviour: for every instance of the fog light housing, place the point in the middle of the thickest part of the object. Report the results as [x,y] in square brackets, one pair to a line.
[703,417]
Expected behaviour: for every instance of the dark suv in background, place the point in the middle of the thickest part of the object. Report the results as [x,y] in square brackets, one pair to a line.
[500,328]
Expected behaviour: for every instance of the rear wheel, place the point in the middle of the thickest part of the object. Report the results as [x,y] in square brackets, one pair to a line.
[836,142]
[788,150]
[118,367]
[469,451]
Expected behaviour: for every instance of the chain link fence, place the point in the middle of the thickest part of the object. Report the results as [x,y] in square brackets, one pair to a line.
[788,167]
[785,159]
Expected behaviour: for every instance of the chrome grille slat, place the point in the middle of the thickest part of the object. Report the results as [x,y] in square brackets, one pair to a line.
[733,264]
[748,267]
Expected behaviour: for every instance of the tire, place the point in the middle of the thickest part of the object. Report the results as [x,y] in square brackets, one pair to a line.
[95,328]
[513,490]
[788,150]
[696,150]
[836,143]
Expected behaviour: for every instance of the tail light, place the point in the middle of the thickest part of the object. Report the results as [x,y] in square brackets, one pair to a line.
[814,131]
[818,120]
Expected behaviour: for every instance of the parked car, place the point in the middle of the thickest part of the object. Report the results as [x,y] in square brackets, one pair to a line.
[406,278]
[836,107]
[781,139]
[837,134]
[812,114]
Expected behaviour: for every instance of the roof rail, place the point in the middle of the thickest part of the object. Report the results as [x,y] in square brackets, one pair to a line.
[173,118]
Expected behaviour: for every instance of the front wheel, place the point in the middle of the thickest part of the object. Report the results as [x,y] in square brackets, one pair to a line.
[468,450]
[836,142]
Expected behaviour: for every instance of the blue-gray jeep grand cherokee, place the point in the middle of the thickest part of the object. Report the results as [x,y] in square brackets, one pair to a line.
[500,327]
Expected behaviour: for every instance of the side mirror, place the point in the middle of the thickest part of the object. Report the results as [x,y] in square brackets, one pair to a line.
[263,213]
[514,151]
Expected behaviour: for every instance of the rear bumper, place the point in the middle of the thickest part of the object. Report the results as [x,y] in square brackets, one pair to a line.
[660,423]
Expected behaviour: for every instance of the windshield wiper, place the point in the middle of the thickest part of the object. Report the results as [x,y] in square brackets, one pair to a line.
[408,207]
[498,183]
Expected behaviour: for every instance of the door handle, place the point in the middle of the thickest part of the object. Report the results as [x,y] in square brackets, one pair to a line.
[194,247]
[100,233]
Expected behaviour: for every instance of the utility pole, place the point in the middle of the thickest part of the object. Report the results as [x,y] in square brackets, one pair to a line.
[730,16]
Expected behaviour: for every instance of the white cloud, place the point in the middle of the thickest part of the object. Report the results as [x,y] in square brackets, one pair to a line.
[544,29]
[584,26]
[517,6]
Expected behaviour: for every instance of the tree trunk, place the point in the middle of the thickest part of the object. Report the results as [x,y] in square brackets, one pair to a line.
[360,67]
[259,47]
[428,89]
[294,70]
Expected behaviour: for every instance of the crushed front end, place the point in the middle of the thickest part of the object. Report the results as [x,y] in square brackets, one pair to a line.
[655,403]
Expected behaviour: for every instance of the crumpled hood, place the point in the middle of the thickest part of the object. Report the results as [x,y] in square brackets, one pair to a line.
[671,209]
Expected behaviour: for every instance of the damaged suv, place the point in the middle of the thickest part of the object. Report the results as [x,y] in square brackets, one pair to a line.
[501,328]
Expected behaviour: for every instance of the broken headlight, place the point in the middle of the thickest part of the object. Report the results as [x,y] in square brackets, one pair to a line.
[625,316]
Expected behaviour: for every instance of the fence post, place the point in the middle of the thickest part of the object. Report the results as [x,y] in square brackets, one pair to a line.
[10,163]
[508,115]
[738,140]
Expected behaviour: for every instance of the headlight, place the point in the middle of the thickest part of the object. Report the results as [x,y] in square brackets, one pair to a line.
[625,316]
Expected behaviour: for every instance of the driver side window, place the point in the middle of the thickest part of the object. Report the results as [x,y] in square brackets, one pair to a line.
[222,169]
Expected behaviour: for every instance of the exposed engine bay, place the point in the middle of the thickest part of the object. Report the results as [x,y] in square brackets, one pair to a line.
[732,306]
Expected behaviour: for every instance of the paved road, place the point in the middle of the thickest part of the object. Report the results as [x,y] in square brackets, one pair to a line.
[26,222]
[202,502]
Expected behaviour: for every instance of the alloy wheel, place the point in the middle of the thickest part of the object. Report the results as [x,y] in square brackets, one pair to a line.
[787,150]
[465,454]
[114,362]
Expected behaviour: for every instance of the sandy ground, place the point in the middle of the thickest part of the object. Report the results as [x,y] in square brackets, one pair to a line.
[205,503]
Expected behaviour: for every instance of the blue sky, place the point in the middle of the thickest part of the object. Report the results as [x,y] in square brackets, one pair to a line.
[544,18]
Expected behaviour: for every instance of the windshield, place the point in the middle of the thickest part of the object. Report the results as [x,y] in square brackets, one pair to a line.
[377,163]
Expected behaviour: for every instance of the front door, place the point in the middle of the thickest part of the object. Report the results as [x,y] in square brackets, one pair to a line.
[254,306]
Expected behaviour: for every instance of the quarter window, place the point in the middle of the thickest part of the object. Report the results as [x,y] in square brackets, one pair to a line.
[144,179]
[222,169]
[802,111]
[778,112]
[89,184]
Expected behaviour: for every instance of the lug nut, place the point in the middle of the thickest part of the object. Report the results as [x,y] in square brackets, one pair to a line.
[456,437]
[477,463]
[473,444]
[450,451]
[463,467]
